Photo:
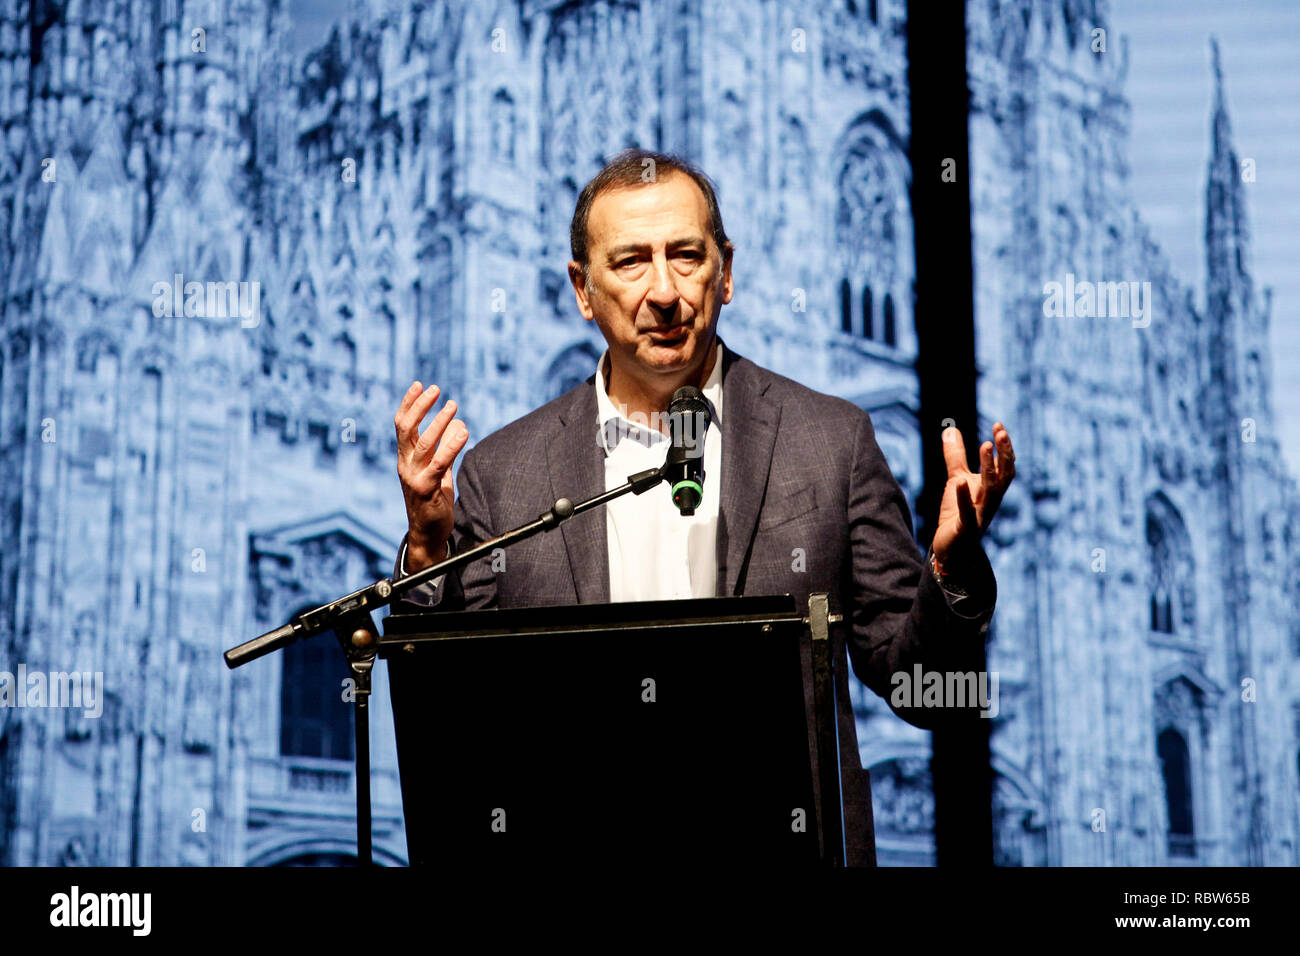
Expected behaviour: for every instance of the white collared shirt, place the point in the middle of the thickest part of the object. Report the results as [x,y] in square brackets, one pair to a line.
[655,553]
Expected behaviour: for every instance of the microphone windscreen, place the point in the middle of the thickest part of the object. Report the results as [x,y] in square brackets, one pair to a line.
[688,399]
[689,417]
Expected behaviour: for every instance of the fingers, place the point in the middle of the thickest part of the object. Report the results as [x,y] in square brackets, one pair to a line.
[954,452]
[411,393]
[402,420]
[966,507]
[1006,454]
[415,405]
[988,472]
[424,460]
[450,446]
[448,488]
[432,435]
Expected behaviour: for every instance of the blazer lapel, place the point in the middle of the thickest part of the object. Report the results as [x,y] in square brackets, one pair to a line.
[749,427]
[576,465]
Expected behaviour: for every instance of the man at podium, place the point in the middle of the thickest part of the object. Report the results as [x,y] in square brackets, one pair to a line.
[797,496]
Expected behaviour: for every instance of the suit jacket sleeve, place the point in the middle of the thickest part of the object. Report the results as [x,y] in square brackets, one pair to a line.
[899,616]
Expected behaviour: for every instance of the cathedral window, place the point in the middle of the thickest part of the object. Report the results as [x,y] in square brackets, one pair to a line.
[1170,577]
[315,721]
[570,369]
[1175,768]
[870,9]
[1161,614]
[871,235]
[503,127]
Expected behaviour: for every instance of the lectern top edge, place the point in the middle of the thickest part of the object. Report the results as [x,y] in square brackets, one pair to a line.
[568,618]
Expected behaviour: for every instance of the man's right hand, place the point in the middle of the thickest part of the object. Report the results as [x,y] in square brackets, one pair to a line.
[424,467]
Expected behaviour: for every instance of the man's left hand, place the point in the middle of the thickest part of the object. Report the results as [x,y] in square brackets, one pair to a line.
[970,501]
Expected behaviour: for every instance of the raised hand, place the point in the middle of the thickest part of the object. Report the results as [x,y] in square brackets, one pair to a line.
[970,501]
[424,467]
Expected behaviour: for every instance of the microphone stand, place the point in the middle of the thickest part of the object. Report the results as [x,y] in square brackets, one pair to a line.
[350,621]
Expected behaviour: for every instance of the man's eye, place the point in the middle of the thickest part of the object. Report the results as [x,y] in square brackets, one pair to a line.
[624,263]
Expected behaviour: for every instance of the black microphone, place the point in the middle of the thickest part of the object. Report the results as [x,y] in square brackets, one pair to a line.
[688,419]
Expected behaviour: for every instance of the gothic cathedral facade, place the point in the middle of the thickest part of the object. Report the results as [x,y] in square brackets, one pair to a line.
[223,264]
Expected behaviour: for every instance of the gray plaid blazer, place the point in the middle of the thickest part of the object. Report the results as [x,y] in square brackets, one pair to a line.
[800,469]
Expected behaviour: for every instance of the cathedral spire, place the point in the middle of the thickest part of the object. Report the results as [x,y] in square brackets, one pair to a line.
[1239,397]
[1227,238]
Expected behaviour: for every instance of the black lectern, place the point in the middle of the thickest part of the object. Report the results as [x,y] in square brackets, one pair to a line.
[629,733]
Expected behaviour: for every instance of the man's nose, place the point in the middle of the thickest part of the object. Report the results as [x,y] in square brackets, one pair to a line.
[663,289]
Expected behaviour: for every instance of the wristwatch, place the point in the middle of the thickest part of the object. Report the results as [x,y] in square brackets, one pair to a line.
[941,577]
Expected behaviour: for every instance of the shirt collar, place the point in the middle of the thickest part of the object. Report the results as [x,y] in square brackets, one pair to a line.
[614,426]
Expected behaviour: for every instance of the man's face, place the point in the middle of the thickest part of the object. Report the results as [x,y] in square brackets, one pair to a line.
[657,280]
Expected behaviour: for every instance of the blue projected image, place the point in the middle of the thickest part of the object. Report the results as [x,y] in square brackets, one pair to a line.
[231,240]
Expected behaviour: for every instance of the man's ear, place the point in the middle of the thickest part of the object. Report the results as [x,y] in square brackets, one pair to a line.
[727,285]
[580,290]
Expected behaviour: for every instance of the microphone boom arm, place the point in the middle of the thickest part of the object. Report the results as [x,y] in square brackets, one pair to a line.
[384,592]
